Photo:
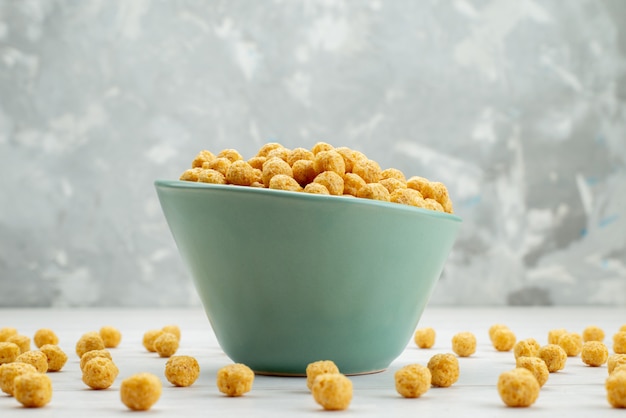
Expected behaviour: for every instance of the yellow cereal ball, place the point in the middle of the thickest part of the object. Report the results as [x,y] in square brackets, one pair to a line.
[332,181]
[284,182]
[36,358]
[191,174]
[329,160]
[526,348]
[333,391]
[235,379]
[267,148]
[230,154]
[352,183]
[616,389]
[374,191]
[203,156]
[8,373]
[274,166]
[503,339]
[89,341]
[614,361]
[435,190]
[22,341]
[392,185]
[316,188]
[536,366]
[623,328]
[166,344]
[413,380]
[257,162]
[297,154]
[211,176]
[407,196]
[140,391]
[304,172]
[182,371]
[494,327]
[319,367]
[33,390]
[55,356]
[518,388]
[100,373]
[349,157]
[572,343]
[593,333]
[220,164]
[464,344]
[321,146]
[424,337]
[241,173]
[45,336]
[90,355]
[392,173]
[149,337]
[282,153]
[432,204]
[444,369]
[555,334]
[7,332]
[369,170]
[172,328]
[8,352]
[554,357]
[619,342]
[111,336]
[418,183]
[594,353]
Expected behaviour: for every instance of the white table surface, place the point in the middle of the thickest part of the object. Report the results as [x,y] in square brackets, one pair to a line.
[576,391]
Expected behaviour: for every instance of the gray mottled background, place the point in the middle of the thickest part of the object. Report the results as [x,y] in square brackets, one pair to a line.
[517,105]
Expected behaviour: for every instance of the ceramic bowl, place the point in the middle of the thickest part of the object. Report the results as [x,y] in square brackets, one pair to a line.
[289,278]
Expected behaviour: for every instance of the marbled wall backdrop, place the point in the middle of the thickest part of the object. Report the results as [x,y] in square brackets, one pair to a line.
[517,105]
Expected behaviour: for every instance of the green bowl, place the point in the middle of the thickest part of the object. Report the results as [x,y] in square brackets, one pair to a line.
[289,278]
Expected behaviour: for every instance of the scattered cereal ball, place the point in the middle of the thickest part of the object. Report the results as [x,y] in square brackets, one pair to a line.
[8,373]
[89,355]
[303,172]
[203,156]
[99,373]
[555,334]
[166,344]
[7,332]
[55,356]
[593,333]
[518,387]
[424,337]
[89,341]
[352,184]
[257,162]
[191,174]
[242,174]
[230,154]
[33,390]
[594,353]
[275,166]
[494,327]
[392,185]
[444,369]
[554,357]
[464,344]
[111,336]
[319,367]
[182,371]
[374,191]
[235,379]
[329,160]
[45,336]
[321,146]
[140,391]
[503,339]
[316,188]
[619,342]
[8,352]
[333,391]
[332,181]
[36,358]
[536,366]
[22,341]
[211,176]
[616,389]
[572,343]
[284,182]
[267,148]
[413,380]
[614,361]
[297,154]
[392,173]
[526,348]
[220,165]
[369,170]
[149,337]
[174,329]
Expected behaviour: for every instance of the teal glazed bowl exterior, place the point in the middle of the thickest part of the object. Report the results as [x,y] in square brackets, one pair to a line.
[290,278]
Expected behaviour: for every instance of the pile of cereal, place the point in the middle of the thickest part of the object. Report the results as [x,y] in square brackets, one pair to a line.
[323,169]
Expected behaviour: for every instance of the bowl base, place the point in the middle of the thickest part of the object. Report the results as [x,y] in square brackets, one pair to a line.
[278,374]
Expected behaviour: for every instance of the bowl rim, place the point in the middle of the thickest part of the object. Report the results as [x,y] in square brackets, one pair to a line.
[183,184]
